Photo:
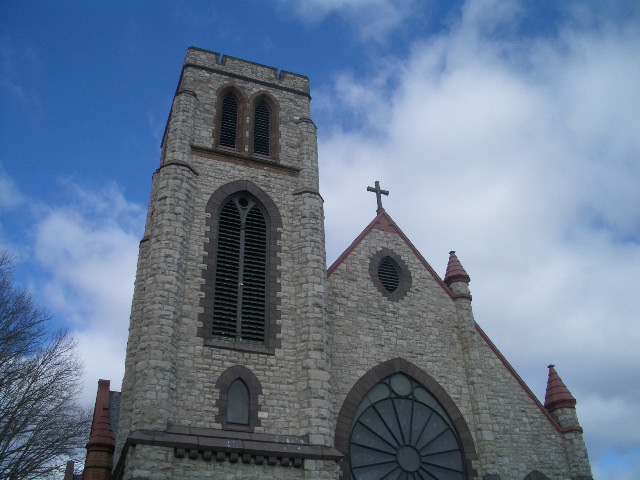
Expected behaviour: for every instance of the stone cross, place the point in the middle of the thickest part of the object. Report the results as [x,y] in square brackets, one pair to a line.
[379,192]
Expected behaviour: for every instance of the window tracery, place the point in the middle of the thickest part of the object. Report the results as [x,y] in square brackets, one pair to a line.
[401,431]
[240,302]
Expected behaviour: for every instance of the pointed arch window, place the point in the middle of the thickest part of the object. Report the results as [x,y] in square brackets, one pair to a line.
[262,129]
[400,430]
[240,292]
[240,306]
[229,121]
[238,405]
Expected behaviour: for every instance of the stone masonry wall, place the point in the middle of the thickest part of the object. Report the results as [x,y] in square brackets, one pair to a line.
[512,436]
[517,437]
[331,331]
[367,329]
[181,381]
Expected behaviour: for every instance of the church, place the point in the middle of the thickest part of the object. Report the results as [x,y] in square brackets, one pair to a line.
[248,358]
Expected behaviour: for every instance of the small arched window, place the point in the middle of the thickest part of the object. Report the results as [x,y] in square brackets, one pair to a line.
[229,121]
[238,399]
[262,129]
[536,475]
[238,403]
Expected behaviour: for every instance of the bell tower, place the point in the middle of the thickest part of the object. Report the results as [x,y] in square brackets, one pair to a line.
[227,369]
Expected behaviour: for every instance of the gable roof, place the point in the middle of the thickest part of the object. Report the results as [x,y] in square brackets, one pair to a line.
[455,272]
[383,222]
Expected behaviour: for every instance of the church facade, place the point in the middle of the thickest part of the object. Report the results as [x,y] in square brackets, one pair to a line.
[249,358]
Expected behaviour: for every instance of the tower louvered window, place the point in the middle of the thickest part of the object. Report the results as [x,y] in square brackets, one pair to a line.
[229,121]
[239,306]
[262,128]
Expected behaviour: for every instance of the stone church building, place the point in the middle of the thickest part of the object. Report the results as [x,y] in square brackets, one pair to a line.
[248,358]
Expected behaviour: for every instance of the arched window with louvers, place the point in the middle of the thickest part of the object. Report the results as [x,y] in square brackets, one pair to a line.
[240,302]
[229,121]
[240,299]
[230,105]
[265,126]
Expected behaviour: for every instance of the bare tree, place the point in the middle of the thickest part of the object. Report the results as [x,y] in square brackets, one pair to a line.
[41,421]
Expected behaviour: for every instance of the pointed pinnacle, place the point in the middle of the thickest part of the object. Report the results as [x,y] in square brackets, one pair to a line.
[455,271]
[558,395]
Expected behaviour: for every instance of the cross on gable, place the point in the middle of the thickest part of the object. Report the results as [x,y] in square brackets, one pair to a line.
[379,192]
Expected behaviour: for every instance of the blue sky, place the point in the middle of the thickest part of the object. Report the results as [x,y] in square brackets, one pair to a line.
[505,130]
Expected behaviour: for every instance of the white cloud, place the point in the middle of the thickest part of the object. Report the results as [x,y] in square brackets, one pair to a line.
[521,154]
[523,157]
[79,261]
[373,20]
[605,419]
[88,249]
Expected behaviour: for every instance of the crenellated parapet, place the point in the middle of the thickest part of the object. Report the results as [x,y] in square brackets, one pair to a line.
[208,60]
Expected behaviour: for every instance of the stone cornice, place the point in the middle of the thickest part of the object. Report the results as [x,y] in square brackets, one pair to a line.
[229,156]
[222,445]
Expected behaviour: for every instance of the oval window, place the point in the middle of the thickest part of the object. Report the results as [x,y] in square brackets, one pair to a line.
[389,274]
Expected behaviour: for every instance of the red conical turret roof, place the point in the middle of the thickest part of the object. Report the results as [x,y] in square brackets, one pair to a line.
[455,271]
[558,395]
[101,433]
